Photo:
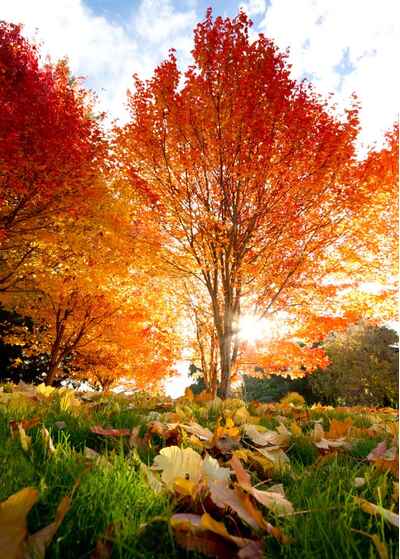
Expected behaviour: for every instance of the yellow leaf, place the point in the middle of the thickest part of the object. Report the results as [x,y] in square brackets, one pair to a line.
[13,529]
[45,390]
[185,487]
[371,508]
[295,429]
[178,463]
[25,440]
[241,416]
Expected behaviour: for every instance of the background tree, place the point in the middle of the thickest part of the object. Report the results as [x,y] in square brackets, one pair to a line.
[363,367]
[250,174]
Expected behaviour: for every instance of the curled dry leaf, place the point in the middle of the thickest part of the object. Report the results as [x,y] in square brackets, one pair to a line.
[212,471]
[275,454]
[225,497]
[98,430]
[189,535]
[371,508]
[200,432]
[320,440]
[261,438]
[210,537]
[273,500]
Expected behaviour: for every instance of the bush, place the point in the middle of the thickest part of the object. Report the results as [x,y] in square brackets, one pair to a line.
[364,368]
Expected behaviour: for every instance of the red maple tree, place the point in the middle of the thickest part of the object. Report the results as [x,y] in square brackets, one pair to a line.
[252,177]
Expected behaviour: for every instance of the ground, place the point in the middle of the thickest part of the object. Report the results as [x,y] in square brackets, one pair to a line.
[330,474]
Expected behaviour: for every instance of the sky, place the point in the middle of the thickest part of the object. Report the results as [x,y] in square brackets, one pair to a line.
[342,46]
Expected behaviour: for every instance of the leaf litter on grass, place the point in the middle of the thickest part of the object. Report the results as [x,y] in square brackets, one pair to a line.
[212,467]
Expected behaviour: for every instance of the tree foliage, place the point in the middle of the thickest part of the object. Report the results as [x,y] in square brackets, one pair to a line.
[232,189]
[363,367]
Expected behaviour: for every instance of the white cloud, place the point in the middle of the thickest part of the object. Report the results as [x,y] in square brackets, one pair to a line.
[158,21]
[321,32]
[253,7]
[104,52]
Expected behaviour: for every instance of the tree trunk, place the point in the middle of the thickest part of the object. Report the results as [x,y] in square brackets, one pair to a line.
[226,366]
[52,372]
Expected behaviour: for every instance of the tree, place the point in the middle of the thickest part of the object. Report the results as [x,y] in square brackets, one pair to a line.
[201,338]
[51,152]
[363,367]
[251,176]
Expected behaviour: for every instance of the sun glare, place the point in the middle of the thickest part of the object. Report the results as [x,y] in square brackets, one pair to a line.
[175,386]
[253,329]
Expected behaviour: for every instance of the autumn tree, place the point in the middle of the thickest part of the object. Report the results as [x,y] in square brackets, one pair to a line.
[51,151]
[250,173]
[99,308]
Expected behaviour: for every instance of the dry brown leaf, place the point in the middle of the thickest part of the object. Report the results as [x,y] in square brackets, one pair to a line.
[99,430]
[13,530]
[201,433]
[225,497]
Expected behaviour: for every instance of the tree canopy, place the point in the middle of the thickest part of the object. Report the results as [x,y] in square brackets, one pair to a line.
[232,189]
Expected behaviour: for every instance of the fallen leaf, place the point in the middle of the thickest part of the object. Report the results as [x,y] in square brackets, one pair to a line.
[38,542]
[359,481]
[276,456]
[225,497]
[212,471]
[201,433]
[191,536]
[98,430]
[207,522]
[265,438]
[48,441]
[178,463]
[253,550]
[371,508]
[26,424]
[185,487]
[13,530]
[104,545]
[339,429]
[274,501]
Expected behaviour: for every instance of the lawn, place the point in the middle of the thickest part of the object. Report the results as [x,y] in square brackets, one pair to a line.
[288,480]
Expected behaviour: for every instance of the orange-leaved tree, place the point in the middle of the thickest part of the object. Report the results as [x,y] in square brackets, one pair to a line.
[250,174]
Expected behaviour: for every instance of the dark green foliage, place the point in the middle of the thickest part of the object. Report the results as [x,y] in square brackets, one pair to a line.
[273,388]
[363,370]
[14,366]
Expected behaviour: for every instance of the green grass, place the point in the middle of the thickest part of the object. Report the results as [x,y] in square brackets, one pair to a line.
[114,494]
